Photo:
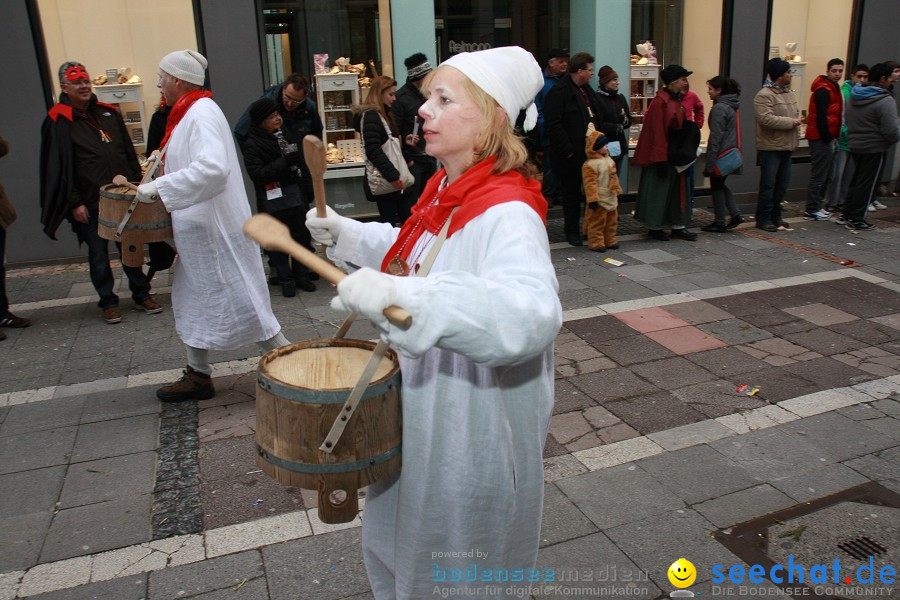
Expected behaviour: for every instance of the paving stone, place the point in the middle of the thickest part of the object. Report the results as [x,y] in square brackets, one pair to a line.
[769,317]
[840,437]
[332,567]
[782,329]
[254,589]
[642,272]
[617,495]
[114,438]
[124,588]
[771,454]
[593,567]
[825,342]
[734,331]
[650,319]
[47,414]
[228,458]
[892,320]
[654,412]
[716,398]
[97,527]
[652,256]
[614,384]
[599,329]
[687,533]
[633,350]
[569,427]
[743,505]
[698,312]
[742,304]
[560,467]
[887,426]
[254,534]
[828,373]
[773,346]
[552,448]
[867,330]
[219,573]
[818,481]
[687,473]
[117,404]
[109,479]
[759,418]
[35,450]
[561,519]
[820,314]
[878,466]
[684,436]
[672,373]
[23,536]
[30,491]
[776,384]
[726,362]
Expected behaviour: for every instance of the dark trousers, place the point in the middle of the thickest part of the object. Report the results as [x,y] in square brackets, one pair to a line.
[821,155]
[422,170]
[101,272]
[569,177]
[774,178]
[862,186]
[284,267]
[723,200]
[392,208]
[4,301]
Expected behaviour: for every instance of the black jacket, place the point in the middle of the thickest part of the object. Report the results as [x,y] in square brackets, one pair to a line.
[157,129]
[266,165]
[406,109]
[613,116]
[566,119]
[374,136]
[75,162]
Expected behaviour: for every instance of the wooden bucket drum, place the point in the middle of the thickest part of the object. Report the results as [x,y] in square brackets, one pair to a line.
[300,390]
[148,222]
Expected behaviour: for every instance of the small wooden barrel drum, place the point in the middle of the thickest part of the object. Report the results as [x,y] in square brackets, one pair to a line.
[300,390]
[148,222]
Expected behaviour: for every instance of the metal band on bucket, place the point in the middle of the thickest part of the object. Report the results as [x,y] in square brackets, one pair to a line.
[144,226]
[309,396]
[328,469]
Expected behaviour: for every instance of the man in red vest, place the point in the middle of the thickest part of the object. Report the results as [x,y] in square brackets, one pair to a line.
[826,107]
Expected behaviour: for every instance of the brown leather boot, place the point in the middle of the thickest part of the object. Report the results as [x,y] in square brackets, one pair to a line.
[191,386]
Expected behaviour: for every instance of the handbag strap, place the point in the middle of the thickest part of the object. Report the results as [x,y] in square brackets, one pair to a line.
[737,119]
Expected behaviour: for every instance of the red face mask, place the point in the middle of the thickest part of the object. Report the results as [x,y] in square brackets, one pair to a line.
[76,72]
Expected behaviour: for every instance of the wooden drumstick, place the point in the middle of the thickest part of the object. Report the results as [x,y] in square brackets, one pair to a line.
[122,180]
[272,234]
[314,153]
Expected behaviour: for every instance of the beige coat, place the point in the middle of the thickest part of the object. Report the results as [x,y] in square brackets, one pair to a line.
[7,212]
[775,113]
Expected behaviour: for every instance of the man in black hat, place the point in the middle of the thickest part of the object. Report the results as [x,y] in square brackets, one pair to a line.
[777,136]
[557,64]
[406,114]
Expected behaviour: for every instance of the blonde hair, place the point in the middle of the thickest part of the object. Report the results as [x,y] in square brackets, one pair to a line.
[374,99]
[498,137]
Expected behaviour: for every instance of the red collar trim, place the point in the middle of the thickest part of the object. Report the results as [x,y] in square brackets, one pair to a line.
[60,110]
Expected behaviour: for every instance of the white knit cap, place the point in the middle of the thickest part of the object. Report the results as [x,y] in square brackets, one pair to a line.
[509,75]
[186,65]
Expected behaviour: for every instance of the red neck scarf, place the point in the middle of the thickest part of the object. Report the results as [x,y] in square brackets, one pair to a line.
[474,192]
[179,109]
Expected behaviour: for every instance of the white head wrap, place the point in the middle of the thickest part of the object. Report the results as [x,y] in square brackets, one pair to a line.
[509,75]
[186,65]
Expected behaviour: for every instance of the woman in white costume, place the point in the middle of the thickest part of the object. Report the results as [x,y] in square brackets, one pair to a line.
[477,361]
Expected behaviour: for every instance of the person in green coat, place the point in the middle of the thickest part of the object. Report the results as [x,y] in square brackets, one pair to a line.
[843,166]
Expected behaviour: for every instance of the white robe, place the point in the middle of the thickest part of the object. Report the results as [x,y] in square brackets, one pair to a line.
[219,292]
[478,377]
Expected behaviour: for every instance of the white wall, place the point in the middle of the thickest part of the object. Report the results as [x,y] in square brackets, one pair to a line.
[108,34]
[701,40]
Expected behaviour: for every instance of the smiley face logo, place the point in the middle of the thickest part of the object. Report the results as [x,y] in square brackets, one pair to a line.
[682,573]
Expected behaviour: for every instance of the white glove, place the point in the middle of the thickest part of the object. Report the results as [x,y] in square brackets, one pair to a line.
[367,292]
[324,230]
[146,192]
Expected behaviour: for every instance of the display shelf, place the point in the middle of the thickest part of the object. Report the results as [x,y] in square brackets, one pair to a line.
[644,85]
[129,99]
[335,95]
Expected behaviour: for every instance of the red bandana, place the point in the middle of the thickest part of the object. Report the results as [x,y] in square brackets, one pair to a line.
[76,72]
[179,109]
[474,192]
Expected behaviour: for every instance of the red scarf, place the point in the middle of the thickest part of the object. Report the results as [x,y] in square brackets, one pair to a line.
[474,192]
[179,109]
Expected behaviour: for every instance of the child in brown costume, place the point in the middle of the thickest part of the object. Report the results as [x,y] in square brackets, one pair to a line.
[601,189]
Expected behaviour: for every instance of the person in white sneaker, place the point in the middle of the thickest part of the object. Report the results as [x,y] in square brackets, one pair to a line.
[826,109]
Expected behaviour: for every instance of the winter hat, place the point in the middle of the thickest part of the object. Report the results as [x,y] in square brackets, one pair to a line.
[777,67]
[606,74]
[673,72]
[508,74]
[600,141]
[185,65]
[261,109]
[417,67]
[558,53]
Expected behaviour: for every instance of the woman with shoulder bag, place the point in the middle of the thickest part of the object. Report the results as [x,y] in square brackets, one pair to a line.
[724,135]
[385,181]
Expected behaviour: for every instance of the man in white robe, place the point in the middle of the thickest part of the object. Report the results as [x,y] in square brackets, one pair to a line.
[219,293]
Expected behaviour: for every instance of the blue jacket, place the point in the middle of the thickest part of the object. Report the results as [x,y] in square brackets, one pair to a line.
[303,122]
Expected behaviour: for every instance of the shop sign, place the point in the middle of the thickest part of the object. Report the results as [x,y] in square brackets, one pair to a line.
[467,46]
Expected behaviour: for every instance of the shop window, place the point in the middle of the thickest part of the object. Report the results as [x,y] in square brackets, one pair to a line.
[809,34]
[121,42]
[686,32]
[467,25]
[297,30]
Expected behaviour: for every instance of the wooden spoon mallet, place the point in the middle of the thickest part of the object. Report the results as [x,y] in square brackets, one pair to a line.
[123,181]
[272,234]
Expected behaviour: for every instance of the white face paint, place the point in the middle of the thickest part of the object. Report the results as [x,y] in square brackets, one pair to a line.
[452,121]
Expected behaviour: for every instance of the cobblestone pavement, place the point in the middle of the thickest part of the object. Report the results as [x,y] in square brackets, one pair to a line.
[699,385]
